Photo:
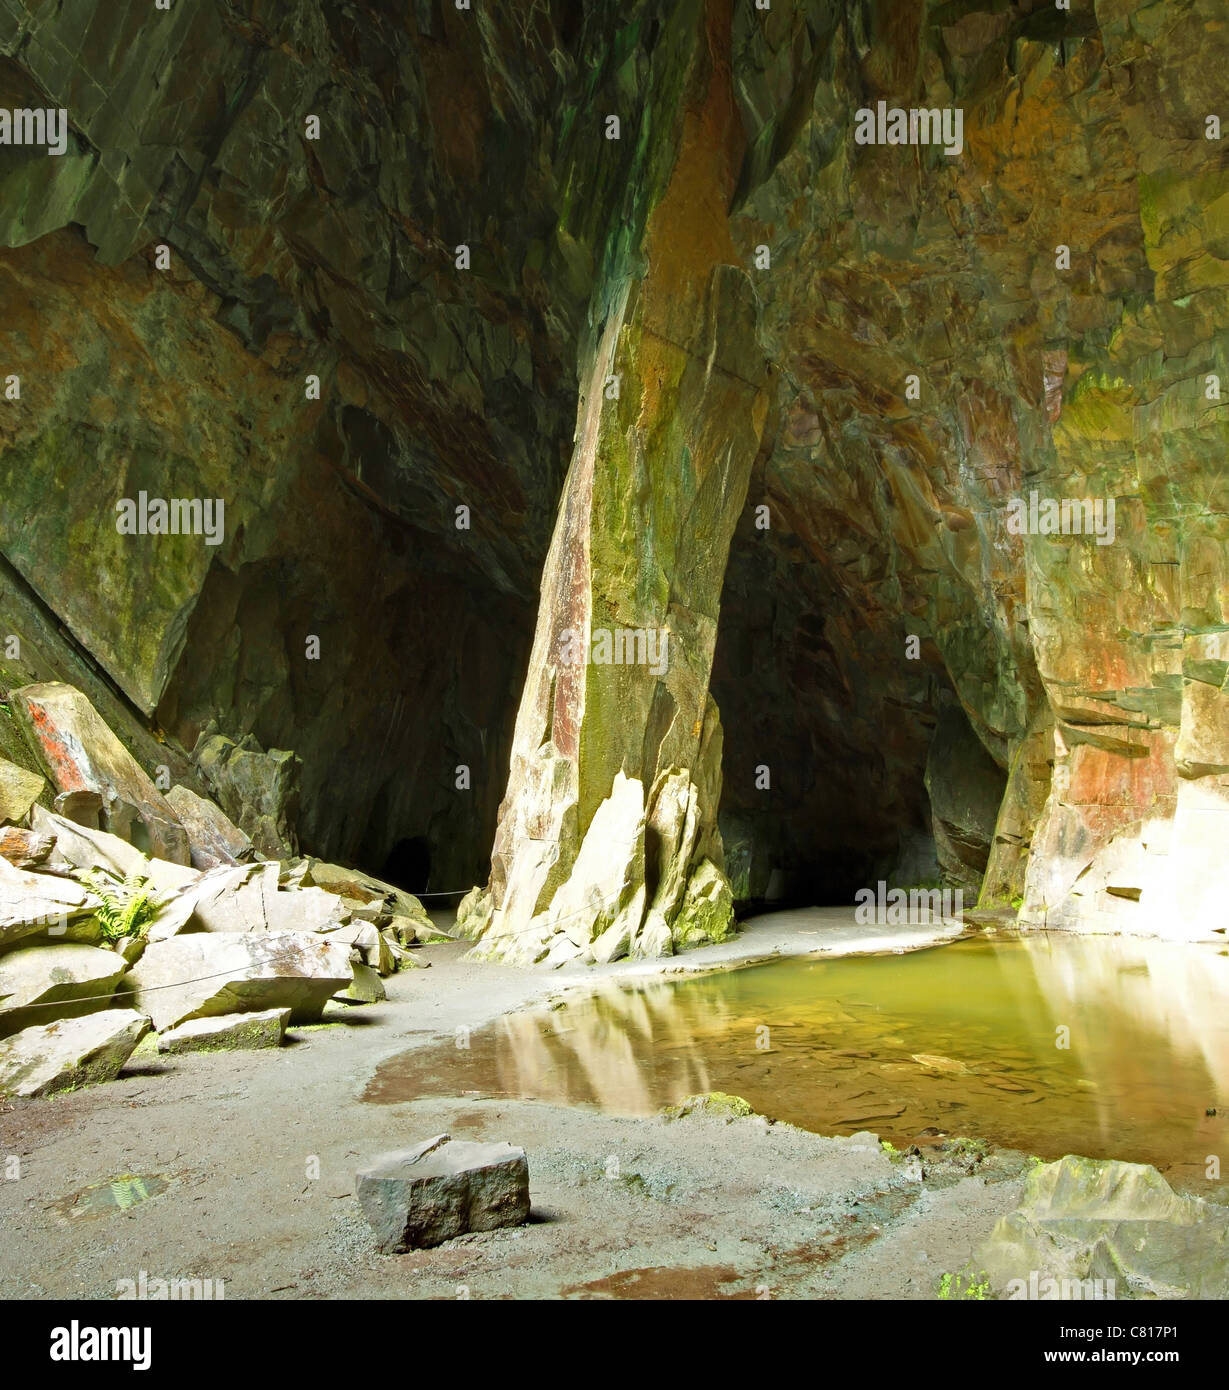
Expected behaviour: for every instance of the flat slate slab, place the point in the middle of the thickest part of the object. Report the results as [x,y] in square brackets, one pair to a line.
[34,903]
[70,1052]
[206,974]
[232,1032]
[419,1197]
[48,980]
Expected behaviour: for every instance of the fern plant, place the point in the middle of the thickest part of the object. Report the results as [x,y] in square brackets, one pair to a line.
[124,909]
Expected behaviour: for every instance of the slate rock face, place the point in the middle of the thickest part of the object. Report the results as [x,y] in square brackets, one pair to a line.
[334,257]
[686,426]
[889,515]
[443,1188]
[258,790]
[965,786]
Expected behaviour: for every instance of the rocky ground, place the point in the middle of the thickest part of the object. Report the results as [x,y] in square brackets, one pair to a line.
[622,1207]
[235,1003]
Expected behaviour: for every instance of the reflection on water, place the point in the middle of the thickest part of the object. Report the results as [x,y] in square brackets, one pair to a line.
[960,1039]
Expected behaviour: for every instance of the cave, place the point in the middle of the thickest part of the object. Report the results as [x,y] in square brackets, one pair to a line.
[630,495]
[408,864]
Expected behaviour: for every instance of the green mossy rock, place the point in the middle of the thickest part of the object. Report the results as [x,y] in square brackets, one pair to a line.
[719,1105]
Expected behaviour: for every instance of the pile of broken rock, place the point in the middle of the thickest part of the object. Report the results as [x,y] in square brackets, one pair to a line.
[123,909]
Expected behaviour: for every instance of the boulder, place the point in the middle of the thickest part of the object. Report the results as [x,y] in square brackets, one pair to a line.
[70,1052]
[81,848]
[25,849]
[474,913]
[402,958]
[19,789]
[204,974]
[247,898]
[232,899]
[366,987]
[354,884]
[258,791]
[369,909]
[707,912]
[419,1197]
[307,909]
[130,947]
[31,903]
[86,849]
[295,873]
[717,1105]
[48,980]
[1085,1219]
[211,893]
[370,945]
[229,1032]
[100,784]
[402,930]
[213,838]
[431,935]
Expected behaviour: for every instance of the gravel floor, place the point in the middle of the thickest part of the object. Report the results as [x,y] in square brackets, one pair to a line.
[261,1149]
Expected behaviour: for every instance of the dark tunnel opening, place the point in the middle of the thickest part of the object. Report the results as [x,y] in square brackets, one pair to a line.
[408,865]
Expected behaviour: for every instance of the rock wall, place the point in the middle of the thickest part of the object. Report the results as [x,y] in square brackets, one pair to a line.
[610,813]
[1084,130]
[731,376]
[184,373]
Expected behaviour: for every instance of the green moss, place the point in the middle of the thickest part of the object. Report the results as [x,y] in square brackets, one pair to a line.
[965,1285]
[975,1149]
[719,1104]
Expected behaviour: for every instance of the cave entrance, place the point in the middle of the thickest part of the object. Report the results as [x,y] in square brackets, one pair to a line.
[844,762]
[408,865]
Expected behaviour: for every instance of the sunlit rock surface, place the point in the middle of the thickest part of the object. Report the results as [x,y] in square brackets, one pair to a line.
[1103,1229]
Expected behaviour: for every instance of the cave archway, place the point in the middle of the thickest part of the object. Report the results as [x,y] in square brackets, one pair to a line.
[408,865]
